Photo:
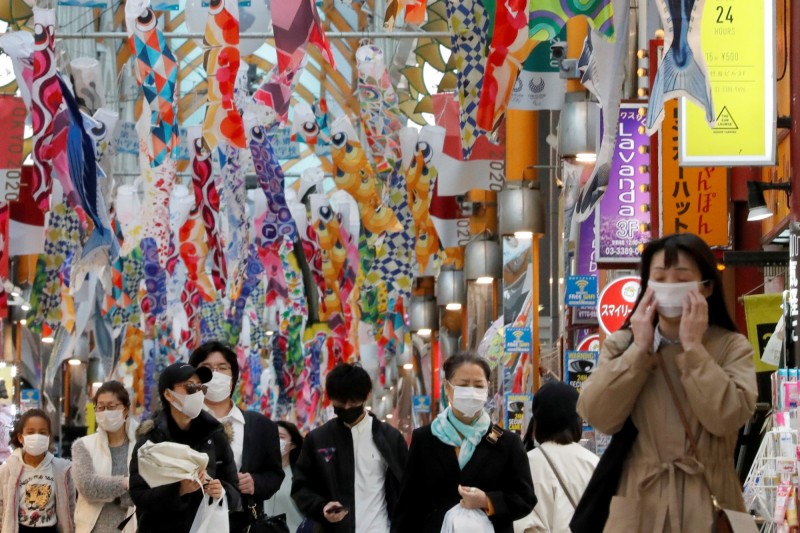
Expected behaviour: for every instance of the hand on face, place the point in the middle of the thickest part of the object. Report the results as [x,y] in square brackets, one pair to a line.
[642,321]
[694,321]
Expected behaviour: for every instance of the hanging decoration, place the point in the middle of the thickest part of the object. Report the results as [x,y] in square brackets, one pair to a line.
[311,124]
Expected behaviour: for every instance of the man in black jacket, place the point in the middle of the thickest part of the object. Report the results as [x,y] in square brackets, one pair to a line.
[348,476]
[171,508]
[255,442]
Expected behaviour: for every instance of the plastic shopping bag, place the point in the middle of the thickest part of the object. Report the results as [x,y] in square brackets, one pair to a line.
[212,516]
[459,519]
[168,462]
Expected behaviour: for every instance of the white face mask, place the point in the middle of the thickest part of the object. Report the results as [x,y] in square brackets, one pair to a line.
[469,400]
[190,404]
[285,447]
[670,296]
[219,388]
[35,444]
[110,421]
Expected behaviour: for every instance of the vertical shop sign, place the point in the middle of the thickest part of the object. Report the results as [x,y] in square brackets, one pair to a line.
[539,85]
[578,366]
[693,200]
[623,220]
[739,42]
[12,117]
[586,266]
[794,263]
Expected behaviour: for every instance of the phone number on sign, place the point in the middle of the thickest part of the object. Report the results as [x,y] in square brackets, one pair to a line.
[619,251]
[615,310]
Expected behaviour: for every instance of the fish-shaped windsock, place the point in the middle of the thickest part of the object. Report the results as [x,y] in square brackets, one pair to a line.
[311,123]
[415,12]
[683,70]
[157,74]
[355,175]
[421,176]
[222,122]
[380,111]
[296,24]
[46,99]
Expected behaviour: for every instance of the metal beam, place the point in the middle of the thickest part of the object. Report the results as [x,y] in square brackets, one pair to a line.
[262,35]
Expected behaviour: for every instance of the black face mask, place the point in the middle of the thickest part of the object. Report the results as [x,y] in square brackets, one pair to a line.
[349,415]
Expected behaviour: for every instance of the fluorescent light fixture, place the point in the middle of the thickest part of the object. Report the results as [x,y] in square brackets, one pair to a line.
[74,361]
[408,366]
[453,307]
[48,339]
[424,332]
[484,280]
[586,157]
[523,234]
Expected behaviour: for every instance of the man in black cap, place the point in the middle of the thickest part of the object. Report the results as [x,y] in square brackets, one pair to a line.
[171,508]
[560,467]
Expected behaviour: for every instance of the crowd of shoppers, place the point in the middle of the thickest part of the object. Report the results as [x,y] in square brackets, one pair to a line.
[678,355]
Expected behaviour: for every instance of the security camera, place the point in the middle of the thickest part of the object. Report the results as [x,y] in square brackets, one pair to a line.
[558,50]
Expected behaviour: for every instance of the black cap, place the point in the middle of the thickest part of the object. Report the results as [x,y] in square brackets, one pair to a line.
[554,407]
[178,373]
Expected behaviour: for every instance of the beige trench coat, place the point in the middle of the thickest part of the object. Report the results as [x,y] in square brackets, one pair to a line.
[661,489]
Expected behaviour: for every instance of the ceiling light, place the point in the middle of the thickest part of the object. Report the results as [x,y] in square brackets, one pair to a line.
[23,321]
[48,339]
[389,416]
[424,332]
[453,307]
[523,234]
[74,361]
[586,157]
[269,333]
[755,198]
[484,280]
[408,366]
[15,294]
[25,307]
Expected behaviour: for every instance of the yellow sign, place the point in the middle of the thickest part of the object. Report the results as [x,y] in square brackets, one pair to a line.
[739,44]
[693,200]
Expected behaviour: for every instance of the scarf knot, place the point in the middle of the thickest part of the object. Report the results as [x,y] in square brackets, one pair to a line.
[451,431]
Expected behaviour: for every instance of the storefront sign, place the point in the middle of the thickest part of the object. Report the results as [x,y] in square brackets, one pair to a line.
[623,220]
[616,302]
[693,200]
[539,85]
[581,291]
[12,117]
[29,399]
[518,340]
[589,343]
[578,366]
[762,312]
[422,403]
[739,44]
[517,407]
[794,263]
[586,266]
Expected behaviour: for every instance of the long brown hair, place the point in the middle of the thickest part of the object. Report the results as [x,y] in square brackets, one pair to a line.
[695,248]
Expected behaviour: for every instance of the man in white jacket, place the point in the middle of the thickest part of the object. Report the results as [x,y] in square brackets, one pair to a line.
[560,467]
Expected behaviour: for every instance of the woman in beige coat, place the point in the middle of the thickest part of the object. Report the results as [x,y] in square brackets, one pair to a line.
[680,313]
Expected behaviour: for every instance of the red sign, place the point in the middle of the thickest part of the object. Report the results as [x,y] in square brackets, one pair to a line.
[616,302]
[590,343]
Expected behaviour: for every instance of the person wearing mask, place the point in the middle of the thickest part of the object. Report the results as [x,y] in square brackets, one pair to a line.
[281,502]
[680,323]
[171,508]
[462,459]
[255,443]
[101,464]
[37,494]
[560,467]
[348,475]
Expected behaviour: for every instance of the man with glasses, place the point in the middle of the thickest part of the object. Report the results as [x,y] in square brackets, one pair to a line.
[255,444]
[171,508]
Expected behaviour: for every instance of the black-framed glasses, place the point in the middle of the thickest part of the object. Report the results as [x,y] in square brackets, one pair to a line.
[225,368]
[191,388]
[99,408]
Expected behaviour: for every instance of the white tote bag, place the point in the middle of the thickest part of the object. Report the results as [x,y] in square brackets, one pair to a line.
[459,519]
[212,516]
[169,462]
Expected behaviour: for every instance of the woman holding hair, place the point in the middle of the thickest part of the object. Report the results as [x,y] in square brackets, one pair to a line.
[560,467]
[282,502]
[462,459]
[36,490]
[679,317]
[101,464]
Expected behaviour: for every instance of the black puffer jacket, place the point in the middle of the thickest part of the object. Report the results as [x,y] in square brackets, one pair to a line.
[163,509]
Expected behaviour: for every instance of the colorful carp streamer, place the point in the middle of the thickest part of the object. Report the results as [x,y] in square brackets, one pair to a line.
[207,201]
[420,179]
[307,402]
[221,62]
[355,175]
[131,364]
[311,123]
[469,24]
[234,197]
[61,239]
[157,74]
[380,111]
[415,12]
[46,99]
[276,93]
[252,277]
[296,24]
[683,70]
[153,300]
[392,341]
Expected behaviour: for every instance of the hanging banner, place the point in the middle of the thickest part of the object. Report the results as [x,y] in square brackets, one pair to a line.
[578,366]
[12,117]
[539,86]
[623,220]
[762,312]
[693,200]
[739,44]
[616,302]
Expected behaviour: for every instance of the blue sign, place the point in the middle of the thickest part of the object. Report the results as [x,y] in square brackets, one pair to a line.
[519,340]
[29,399]
[581,291]
[422,403]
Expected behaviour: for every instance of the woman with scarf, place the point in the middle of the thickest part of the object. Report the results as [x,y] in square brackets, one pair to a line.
[462,459]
